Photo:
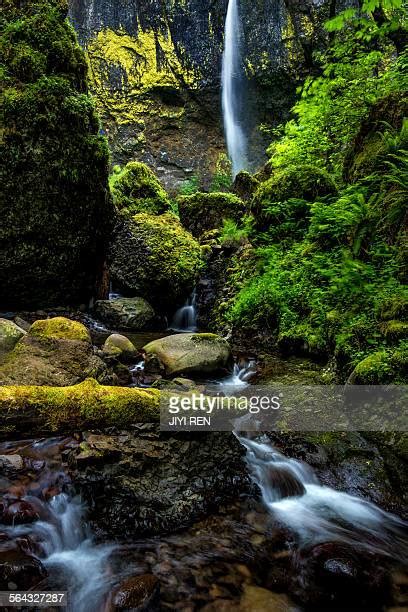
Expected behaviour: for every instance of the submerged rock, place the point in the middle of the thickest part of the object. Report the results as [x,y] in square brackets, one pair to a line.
[19,570]
[56,352]
[126,313]
[10,334]
[257,599]
[186,353]
[138,593]
[156,258]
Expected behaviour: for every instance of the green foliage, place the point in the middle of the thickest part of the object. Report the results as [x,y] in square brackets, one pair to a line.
[222,178]
[233,235]
[201,212]
[136,189]
[190,186]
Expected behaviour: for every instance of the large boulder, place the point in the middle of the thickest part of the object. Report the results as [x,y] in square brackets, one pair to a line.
[201,212]
[135,189]
[125,313]
[186,353]
[10,334]
[55,352]
[155,257]
[55,209]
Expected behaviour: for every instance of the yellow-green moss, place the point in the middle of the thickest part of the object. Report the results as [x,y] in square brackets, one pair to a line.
[70,408]
[59,328]
[136,189]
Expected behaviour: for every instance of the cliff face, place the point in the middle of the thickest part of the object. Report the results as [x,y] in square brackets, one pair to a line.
[155,70]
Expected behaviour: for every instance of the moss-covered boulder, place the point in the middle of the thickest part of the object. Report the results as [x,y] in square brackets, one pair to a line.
[245,185]
[201,212]
[369,149]
[42,409]
[185,353]
[55,208]
[126,313]
[55,352]
[136,189]
[303,182]
[156,258]
[119,346]
[383,367]
[10,334]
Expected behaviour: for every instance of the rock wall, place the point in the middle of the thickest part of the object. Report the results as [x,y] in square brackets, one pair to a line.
[155,70]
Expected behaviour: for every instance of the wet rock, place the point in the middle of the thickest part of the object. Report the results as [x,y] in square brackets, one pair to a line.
[10,334]
[126,313]
[119,346]
[257,599]
[55,352]
[17,512]
[97,449]
[22,323]
[186,353]
[11,463]
[339,574]
[284,483]
[138,593]
[161,482]
[19,570]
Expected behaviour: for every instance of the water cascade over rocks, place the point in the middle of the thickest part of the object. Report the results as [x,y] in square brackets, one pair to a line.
[317,514]
[232,88]
[185,318]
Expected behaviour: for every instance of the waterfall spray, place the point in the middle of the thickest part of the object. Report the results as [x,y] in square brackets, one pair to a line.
[232,90]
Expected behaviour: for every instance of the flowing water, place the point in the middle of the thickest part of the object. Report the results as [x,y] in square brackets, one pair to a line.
[232,89]
[316,513]
[185,319]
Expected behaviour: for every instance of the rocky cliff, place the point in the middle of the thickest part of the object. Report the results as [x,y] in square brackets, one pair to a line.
[155,70]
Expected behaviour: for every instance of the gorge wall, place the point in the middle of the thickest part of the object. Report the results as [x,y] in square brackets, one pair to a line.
[155,70]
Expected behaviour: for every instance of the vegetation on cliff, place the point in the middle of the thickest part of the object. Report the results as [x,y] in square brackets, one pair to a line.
[55,206]
[330,216]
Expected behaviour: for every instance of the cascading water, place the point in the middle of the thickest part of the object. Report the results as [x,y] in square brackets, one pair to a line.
[185,319]
[316,513]
[232,83]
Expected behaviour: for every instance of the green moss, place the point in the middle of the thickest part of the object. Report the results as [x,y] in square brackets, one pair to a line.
[383,367]
[156,258]
[59,328]
[135,189]
[202,212]
[87,405]
[395,330]
[54,162]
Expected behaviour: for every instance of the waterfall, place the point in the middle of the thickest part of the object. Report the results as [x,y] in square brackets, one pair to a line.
[185,319]
[232,82]
[316,513]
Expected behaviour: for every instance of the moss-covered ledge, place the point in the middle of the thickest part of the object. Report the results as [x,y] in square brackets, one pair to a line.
[33,410]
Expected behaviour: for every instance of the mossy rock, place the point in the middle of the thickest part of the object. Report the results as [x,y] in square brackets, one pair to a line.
[119,346]
[10,334]
[245,185]
[202,212]
[59,328]
[395,331]
[156,258]
[55,201]
[185,353]
[55,352]
[303,182]
[67,409]
[382,368]
[369,149]
[126,313]
[136,189]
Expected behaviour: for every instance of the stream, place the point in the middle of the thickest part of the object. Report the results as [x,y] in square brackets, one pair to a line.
[44,530]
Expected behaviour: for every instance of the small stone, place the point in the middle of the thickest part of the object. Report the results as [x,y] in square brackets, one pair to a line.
[11,462]
[137,593]
[257,599]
